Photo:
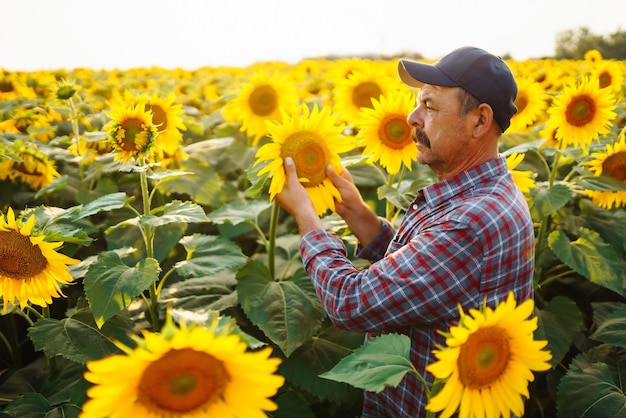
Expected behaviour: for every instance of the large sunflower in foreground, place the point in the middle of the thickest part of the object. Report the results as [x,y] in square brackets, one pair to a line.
[385,132]
[581,113]
[187,371]
[259,100]
[131,131]
[611,162]
[488,361]
[313,139]
[31,271]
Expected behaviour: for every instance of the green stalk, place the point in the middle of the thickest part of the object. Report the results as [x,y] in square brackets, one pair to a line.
[77,138]
[148,234]
[271,246]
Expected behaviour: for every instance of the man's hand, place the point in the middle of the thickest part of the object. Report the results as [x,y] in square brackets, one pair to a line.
[359,217]
[295,200]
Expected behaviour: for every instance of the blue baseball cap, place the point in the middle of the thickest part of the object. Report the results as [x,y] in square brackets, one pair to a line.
[484,75]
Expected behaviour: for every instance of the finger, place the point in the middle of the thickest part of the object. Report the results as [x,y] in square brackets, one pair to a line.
[290,169]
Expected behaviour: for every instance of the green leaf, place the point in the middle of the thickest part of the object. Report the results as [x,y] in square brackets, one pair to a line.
[240,212]
[591,257]
[216,292]
[78,337]
[305,365]
[209,254]
[559,323]
[381,362]
[590,393]
[613,330]
[288,311]
[29,405]
[547,200]
[176,211]
[110,285]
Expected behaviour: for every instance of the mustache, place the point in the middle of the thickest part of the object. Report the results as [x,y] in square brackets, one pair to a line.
[418,135]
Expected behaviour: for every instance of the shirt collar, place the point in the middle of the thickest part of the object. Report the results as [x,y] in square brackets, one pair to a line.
[441,191]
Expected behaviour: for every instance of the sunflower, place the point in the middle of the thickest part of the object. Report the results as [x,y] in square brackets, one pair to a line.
[488,361]
[33,168]
[31,271]
[523,179]
[610,74]
[611,162]
[358,89]
[131,131]
[385,132]
[530,102]
[581,113]
[313,139]
[259,100]
[185,371]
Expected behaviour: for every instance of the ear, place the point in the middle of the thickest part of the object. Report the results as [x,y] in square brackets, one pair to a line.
[483,123]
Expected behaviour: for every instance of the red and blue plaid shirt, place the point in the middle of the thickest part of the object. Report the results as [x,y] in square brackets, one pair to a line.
[465,240]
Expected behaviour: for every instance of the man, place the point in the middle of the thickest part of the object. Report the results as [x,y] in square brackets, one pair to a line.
[464,240]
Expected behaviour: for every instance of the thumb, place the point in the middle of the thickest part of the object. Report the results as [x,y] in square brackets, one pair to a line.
[290,168]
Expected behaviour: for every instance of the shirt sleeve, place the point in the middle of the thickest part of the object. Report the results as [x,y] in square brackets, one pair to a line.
[421,281]
[376,249]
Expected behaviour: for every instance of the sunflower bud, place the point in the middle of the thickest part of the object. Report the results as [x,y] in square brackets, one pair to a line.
[65,91]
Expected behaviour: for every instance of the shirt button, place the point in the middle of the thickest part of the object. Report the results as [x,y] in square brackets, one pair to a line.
[414,206]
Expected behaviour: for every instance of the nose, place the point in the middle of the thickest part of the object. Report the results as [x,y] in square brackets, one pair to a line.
[414,119]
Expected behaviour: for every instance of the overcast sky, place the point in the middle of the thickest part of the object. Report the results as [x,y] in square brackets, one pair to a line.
[51,34]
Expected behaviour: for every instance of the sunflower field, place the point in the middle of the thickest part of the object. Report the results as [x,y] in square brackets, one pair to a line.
[145,269]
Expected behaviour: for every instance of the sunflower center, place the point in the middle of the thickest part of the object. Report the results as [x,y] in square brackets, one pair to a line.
[580,111]
[484,357]
[6,86]
[159,116]
[394,132]
[131,136]
[19,258]
[310,154]
[263,100]
[363,93]
[182,381]
[615,165]
[605,79]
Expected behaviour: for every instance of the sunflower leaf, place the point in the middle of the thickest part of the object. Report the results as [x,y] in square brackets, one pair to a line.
[590,392]
[319,355]
[379,363]
[287,311]
[613,329]
[591,257]
[559,323]
[240,212]
[176,212]
[110,285]
[547,200]
[208,254]
[78,338]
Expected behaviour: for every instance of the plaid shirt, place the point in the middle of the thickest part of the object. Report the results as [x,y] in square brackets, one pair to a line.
[463,240]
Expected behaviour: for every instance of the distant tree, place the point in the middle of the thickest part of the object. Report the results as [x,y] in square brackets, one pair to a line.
[574,43]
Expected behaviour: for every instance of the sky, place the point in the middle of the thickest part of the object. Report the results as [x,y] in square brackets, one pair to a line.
[123,34]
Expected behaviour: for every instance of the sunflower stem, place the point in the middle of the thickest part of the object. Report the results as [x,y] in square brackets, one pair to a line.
[148,234]
[77,138]
[271,245]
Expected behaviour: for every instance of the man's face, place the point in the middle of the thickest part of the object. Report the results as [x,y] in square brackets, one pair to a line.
[440,132]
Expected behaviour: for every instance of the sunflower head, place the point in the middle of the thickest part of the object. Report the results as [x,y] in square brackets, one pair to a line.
[488,361]
[31,271]
[523,179]
[582,112]
[65,89]
[385,132]
[313,139]
[132,132]
[186,370]
[28,165]
[610,162]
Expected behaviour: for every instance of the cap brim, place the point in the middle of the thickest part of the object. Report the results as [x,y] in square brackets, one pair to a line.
[416,74]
